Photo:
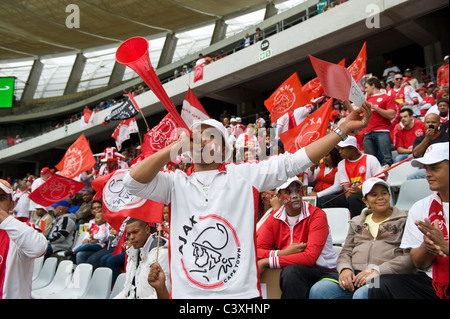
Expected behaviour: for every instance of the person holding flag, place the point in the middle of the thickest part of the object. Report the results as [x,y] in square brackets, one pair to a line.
[212,243]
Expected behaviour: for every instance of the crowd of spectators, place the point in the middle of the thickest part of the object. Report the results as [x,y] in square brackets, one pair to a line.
[409,116]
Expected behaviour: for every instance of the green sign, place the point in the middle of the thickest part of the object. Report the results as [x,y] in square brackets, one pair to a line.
[265,54]
[6,92]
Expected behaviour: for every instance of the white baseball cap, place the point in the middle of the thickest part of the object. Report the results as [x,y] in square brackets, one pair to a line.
[350,141]
[43,207]
[5,186]
[370,183]
[435,153]
[222,130]
[289,182]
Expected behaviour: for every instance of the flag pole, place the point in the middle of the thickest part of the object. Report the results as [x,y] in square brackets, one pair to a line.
[134,102]
[380,173]
[157,247]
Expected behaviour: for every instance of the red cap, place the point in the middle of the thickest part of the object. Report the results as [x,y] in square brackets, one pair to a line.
[47,170]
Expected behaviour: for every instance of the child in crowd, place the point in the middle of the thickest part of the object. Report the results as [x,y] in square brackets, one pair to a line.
[97,238]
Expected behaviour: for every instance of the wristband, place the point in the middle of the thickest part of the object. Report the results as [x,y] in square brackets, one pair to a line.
[341,134]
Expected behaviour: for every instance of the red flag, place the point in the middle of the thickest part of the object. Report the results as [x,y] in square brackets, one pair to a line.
[198,72]
[192,110]
[77,159]
[311,129]
[313,89]
[160,136]
[358,68]
[123,131]
[118,203]
[87,118]
[286,98]
[55,189]
[337,81]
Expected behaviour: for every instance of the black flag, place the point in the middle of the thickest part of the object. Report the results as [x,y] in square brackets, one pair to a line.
[126,110]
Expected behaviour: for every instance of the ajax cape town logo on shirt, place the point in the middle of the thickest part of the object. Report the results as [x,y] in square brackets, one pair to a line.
[211,254]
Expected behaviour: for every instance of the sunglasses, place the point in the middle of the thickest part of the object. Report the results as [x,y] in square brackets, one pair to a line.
[397,79]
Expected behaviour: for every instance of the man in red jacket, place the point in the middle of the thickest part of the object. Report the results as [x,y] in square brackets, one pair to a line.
[300,232]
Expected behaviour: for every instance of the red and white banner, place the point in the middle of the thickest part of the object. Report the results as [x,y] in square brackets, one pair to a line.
[55,189]
[88,117]
[123,131]
[287,97]
[160,136]
[311,129]
[198,72]
[192,110]
[337,81]
[118,203]
[77,159]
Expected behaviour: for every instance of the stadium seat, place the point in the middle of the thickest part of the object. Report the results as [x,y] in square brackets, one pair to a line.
[77,285]
[100,285]
[118,285]
[78,239]
[46,274]
[337,249]
[338,218]
[398,174]
[38,263]
[59,282]
[410,192]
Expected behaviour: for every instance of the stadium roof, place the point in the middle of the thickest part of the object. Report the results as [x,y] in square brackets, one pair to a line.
[38,29]
[32,28]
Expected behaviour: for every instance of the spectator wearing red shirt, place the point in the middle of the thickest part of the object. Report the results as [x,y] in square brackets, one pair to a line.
[304,247]
[377,138]
[412,128]
[442,75]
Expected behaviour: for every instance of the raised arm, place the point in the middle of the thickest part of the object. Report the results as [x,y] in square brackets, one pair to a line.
[353,122]
[146,170]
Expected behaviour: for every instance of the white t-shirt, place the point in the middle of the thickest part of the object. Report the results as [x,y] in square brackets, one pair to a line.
[412,236]
[38,182]
[212,235]
[390,72]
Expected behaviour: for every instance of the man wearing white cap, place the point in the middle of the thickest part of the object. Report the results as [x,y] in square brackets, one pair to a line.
[238,127]
[20,244]
[353,170]
[214,208]
[426,234]
[304,245]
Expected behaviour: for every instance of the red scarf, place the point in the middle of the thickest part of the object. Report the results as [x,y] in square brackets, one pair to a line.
[441,264]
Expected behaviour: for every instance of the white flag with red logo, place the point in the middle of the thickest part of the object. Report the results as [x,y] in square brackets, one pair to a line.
[192,110]
[87,118]
[55,189]
[123,131]
[118,203]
